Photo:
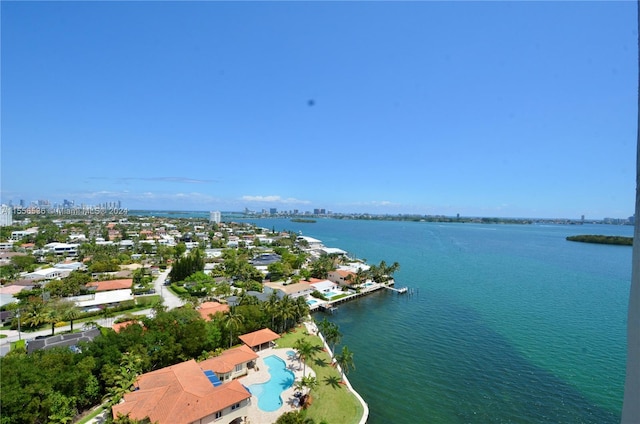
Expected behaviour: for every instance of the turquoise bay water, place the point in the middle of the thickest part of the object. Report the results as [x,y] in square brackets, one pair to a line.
[506,323]
[268,393]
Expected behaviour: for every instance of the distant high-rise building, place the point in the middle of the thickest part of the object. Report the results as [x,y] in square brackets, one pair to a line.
[215,216]
[6,216]
[273,211]
[22,203]
[316,211]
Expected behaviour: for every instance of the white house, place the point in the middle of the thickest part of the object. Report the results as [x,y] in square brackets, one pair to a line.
[296,290]
[47,274]
[62,248]
[324,286]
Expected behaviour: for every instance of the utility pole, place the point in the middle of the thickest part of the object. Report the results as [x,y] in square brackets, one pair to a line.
[18,316]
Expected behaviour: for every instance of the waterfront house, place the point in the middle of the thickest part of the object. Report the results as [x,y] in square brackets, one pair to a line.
[259,340]
[232,363]
[323,286]
[184,394]
[295,290]
[341,277]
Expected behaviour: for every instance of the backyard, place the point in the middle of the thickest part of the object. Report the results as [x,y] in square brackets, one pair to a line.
[331,400]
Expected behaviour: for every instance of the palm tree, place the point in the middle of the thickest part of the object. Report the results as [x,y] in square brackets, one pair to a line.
[53,317]
[299,385]
[305,351]
[301,308]
[124,378]
[34,316]
[345,360]
[287,311]
[231,320]
[271,307]
[71,313]
[332,336]
[631,406]
[310,382]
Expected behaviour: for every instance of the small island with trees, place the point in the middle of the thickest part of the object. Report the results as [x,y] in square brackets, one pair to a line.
[600,239]
[304,220]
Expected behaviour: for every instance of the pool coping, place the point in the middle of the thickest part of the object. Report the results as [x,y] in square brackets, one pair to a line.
[254,414]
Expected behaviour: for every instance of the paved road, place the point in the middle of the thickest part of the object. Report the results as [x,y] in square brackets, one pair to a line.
[170,301]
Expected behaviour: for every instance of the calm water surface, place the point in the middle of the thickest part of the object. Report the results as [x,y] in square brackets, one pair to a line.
[506,323]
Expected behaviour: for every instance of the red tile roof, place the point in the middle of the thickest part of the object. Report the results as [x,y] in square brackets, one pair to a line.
[228,359]
[111,284]
[120,325]
[211,308]
[178,394]
[259,337]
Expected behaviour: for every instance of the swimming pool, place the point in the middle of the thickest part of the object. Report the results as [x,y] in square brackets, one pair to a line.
[312,302]
[332,294]
[268,393]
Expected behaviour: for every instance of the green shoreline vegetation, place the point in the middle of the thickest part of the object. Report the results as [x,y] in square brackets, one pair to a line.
[78,382]
[304,220]
[600,239]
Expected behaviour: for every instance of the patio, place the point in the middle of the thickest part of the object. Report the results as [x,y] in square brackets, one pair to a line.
[254,414]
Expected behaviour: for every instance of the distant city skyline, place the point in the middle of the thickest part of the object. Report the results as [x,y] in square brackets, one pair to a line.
[490,109]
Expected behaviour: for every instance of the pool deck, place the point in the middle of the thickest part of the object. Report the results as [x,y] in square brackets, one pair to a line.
[254,414]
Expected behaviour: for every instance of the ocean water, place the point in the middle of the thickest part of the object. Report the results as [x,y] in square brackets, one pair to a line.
[502,324]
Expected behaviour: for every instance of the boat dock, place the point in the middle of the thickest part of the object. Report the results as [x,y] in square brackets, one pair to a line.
[330,305]
[399,291]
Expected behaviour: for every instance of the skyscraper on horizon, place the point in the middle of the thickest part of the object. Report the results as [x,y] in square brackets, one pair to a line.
[215,216]
[6,216]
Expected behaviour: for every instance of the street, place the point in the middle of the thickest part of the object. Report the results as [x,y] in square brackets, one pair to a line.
[170,301]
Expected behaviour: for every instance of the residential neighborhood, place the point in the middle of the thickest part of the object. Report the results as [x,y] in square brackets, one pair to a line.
[234,287]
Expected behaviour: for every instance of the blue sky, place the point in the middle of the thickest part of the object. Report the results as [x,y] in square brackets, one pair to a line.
[505,109]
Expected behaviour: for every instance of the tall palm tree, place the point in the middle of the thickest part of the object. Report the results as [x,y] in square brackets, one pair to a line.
[287,311]
[305,351]
[631,406]
[271,308]
[232,320]
[345,360]
[71,313]
[332,336]
[301,308]
[53,317]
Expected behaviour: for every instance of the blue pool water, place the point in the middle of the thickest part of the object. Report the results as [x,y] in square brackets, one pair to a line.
[332,294]
[268,393]
[311,302]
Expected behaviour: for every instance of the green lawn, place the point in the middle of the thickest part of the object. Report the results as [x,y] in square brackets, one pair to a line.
[332,401]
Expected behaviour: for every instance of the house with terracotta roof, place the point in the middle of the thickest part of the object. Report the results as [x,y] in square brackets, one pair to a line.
[341,277]
[232,363]
[209,309]
[117,327]
[109,285]
[261,339]
[184,394]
